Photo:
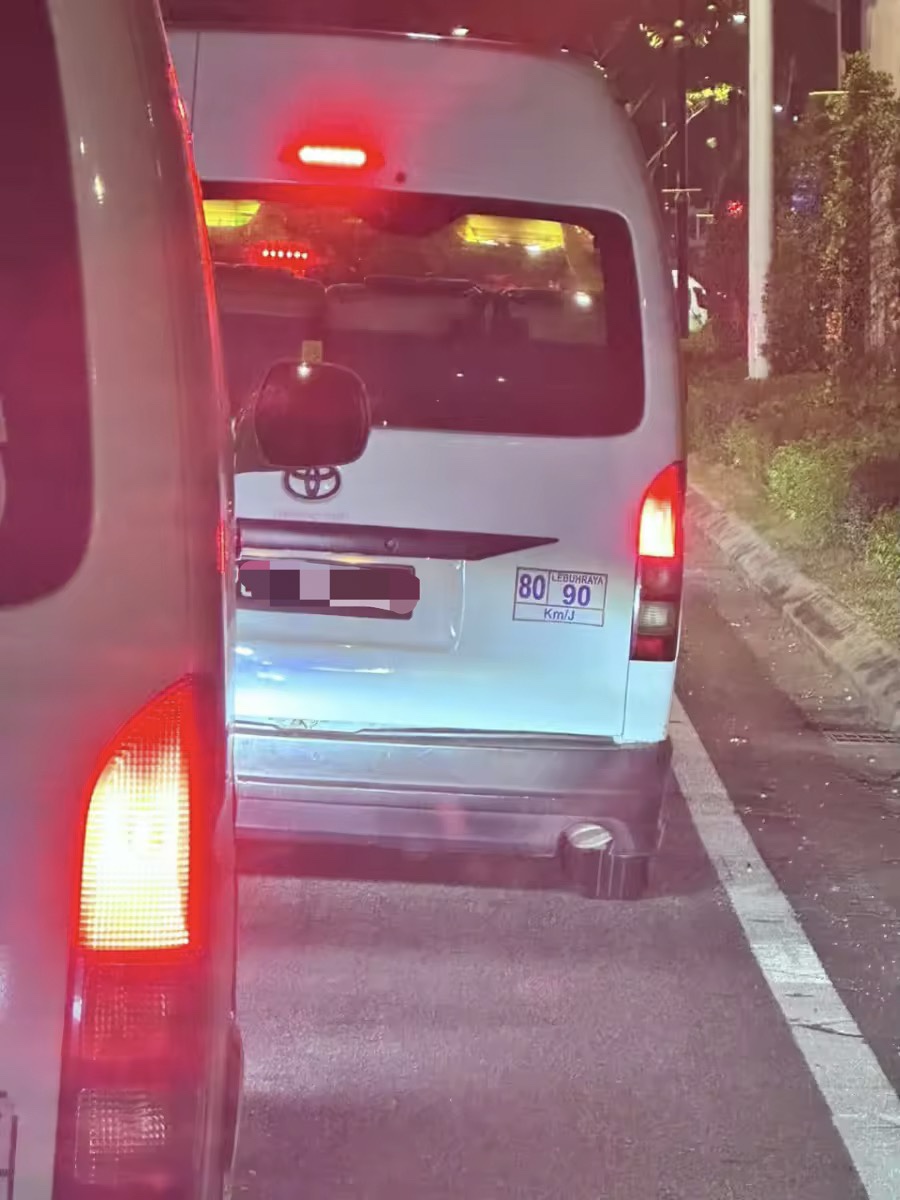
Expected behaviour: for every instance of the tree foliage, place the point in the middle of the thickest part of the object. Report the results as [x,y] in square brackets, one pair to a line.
[861,264]
[795,298]
[724,274]
[684,22]
[834,290]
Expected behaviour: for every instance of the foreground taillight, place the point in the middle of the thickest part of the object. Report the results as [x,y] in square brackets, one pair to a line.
[131,1103]
[133,1096]
[135,873]
[660,571]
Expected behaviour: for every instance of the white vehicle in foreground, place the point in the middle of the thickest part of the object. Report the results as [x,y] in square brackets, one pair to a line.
[466,640]
[120,1060]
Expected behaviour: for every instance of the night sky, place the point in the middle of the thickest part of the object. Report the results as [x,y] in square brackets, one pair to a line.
[804,28]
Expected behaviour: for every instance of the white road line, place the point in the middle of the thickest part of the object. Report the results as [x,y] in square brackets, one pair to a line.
[864,1107]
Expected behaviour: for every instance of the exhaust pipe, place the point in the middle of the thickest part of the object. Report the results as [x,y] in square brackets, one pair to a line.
[593,838]
[591,867]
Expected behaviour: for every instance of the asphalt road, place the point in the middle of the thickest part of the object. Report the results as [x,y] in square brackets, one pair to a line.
[413,1040]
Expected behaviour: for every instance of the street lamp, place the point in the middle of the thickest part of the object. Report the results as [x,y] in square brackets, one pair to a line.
[683,198]
[694,26]
[761,217]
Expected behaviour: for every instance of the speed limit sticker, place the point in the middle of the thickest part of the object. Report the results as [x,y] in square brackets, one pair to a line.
[559,597]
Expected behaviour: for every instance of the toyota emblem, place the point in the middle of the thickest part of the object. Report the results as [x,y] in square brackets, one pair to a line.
[313,483]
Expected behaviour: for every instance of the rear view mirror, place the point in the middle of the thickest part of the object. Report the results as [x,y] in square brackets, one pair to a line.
[311,415]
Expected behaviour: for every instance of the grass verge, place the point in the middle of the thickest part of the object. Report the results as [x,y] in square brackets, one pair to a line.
[785,456]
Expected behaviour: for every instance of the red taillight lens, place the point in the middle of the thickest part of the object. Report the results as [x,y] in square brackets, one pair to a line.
[661,515]
[660,568]
[136,865]
[353,157]
[137,1048]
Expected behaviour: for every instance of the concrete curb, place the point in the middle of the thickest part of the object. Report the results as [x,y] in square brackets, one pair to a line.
[842,637]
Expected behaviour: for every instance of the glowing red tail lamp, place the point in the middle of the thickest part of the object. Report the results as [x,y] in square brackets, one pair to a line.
[660,575]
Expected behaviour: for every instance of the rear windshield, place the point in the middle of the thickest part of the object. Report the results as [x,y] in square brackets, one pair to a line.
[460,316]
[45,452]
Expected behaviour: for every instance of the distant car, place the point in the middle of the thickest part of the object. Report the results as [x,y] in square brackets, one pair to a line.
[699,304]
[476,647]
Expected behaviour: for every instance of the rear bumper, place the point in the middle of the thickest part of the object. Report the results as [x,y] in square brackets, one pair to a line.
[446,793]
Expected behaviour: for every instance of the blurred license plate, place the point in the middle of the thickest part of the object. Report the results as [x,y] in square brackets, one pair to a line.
[290,585]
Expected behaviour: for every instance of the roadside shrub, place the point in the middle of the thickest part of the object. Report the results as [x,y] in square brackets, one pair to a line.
[833,296]
[724,277]
[861,261]
[808,482]
[874,490]
[794,301]
[702,348]
[746,445]
[856,522]
[710,409]
[882,546]
[876,484]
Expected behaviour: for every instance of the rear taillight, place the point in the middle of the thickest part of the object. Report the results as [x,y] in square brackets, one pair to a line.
[131,1105]
[136,864]
[660,571]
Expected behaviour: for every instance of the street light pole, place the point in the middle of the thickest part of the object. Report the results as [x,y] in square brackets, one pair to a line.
[682,195]
[762,197]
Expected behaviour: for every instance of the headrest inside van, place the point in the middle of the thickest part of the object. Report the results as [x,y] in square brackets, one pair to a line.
[264,292]
[570,318]
[363,308]
[266,316]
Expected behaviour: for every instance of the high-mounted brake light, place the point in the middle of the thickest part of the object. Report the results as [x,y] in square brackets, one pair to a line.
[660,568]
[136,865]
[274,252]
[333,156]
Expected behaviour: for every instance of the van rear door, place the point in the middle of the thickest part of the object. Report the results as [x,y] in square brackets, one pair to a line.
[46,485]
[501,488]
[116,818]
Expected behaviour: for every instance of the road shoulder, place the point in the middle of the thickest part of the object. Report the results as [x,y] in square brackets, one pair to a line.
[845,640]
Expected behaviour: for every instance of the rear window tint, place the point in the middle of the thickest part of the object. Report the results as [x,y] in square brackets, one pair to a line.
[45,452]
[458,316]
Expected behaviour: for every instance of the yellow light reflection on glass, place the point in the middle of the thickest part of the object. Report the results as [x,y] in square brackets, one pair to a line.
[511,231]
[229,214]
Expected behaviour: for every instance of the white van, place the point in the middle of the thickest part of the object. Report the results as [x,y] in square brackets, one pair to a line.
[120,1059]
[478,649]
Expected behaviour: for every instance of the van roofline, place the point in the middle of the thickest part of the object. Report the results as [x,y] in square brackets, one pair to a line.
[254,24]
